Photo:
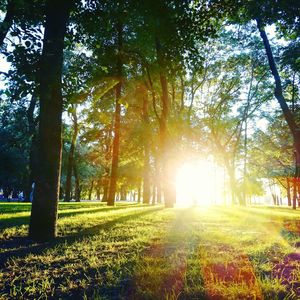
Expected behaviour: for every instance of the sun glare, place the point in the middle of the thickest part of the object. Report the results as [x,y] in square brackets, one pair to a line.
[199,183]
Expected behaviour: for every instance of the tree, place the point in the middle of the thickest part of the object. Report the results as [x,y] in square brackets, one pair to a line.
[278,92]
[44,207]
[285,15]
[117,120]
[70,166]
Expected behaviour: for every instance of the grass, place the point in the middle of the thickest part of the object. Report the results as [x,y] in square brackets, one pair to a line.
[146,252]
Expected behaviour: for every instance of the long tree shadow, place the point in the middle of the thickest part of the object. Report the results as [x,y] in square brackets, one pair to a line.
[27,246]
[17,207]
[24,220]
[12,207]
[272,211]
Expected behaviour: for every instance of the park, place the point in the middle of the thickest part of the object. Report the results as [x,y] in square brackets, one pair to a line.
[150,149]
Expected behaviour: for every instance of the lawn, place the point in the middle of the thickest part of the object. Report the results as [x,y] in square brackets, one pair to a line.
[149,252]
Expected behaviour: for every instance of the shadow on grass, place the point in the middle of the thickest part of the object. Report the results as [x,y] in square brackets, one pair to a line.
[27,246]
[11,207]
[17,207]
[24,220]
[258,210]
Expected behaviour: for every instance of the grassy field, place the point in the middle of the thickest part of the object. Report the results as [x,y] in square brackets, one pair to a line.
[146,252]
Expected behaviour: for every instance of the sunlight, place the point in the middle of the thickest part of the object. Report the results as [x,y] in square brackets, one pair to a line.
[199,182]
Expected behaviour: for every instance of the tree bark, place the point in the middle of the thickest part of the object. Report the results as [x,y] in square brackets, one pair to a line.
[153,194]
[146,167]
[294,194]
[8,21]
[71,158]
[139,193]
[123,193]
[77,184]
[117,121]
[105,188]
[91,190]
[167,167]
[244,202]
[45,201]
[33,146]
[288,189]
[98,190]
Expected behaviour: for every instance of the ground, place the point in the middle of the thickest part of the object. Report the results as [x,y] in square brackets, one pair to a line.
[149,252]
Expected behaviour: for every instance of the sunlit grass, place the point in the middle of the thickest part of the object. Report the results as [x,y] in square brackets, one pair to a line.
[143,252]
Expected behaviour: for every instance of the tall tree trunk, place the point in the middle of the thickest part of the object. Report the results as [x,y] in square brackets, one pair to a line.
[91,190]
[33,147]
[123,192]
[158,193]
[139,193]
[167,166]
[8,20]
[45,201]
[117,125]
[146,167]
[106,175]
[288,190]
[77,184]
[71,157]
[153,193]
[33,165]
[105,187]
[289,117]
[98,190]
[244,202]
[294,193]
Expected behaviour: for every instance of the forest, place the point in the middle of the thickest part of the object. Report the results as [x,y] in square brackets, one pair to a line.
[149,149]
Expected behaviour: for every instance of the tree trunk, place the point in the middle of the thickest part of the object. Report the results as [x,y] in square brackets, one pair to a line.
[244,202]
[33,147]
[167,167]
[45,201]
[105,189]
[153,194]
[123,193]
[77,184]
[295,130]
[71,158]
[158,193]
[157,181]
[116,141]
[33,165]
[294,193]
[8,20]
[139,193]
[98,193]
[146,171]
[288,190]
[91,190]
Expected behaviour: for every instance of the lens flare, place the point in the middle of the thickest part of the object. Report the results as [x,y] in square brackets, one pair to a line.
[199,182]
